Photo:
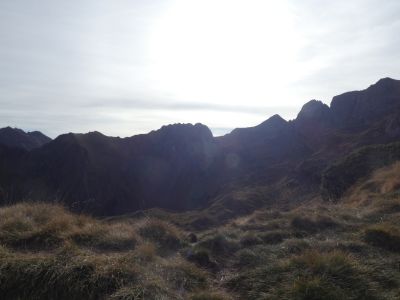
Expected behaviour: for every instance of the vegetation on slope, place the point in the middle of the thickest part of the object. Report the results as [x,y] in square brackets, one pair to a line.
[315,251]
[340,176]
[49,253]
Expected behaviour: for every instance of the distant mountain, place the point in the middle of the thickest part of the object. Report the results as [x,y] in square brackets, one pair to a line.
[17,138]
[183,167]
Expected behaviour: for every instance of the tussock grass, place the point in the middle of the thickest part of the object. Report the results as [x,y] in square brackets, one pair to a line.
[47,252]
[311,275]
[314,251]
[116,236]
[211,296]
[312,225]
[220,245]
[274,237]
[42,226]
[185,275]
[202,258]
[333,275]
[166,236]
[49,277]
[146,252]
[384,236]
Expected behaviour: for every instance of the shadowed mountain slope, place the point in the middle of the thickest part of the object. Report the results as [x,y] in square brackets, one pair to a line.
[17,138]
[182,166]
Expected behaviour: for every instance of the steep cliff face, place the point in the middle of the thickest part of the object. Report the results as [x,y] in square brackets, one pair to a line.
[360,108]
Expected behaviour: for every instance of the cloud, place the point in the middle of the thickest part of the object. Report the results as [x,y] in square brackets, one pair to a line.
[80,66]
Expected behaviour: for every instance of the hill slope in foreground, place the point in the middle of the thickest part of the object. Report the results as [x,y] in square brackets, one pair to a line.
[305,209]
[316,251]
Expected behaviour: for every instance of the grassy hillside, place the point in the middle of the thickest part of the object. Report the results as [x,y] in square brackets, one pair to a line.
[317,251]
[358,165]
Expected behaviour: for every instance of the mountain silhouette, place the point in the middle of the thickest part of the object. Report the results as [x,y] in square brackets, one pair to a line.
[17,138]
[183,167]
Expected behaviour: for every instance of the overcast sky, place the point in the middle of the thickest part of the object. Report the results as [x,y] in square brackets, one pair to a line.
[128,67]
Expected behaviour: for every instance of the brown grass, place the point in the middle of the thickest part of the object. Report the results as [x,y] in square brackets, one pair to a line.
[386,236]
[382,181]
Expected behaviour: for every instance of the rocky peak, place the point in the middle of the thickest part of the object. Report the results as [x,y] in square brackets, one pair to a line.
[358,108]
[17,138]
[385,84]
[185,131]
[314,110]
[275,121]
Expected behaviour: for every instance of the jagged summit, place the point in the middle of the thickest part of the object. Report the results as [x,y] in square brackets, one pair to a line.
[359,108]
[386,82]
[182,166]
[17,138]
[275,120]
[314,109]
[184,131]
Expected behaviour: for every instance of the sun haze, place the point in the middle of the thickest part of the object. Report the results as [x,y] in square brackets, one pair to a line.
[127,67]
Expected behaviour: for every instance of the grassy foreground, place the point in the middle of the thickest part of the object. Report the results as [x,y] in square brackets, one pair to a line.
[317,251]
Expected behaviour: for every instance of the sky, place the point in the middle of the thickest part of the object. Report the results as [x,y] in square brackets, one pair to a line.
[124,67]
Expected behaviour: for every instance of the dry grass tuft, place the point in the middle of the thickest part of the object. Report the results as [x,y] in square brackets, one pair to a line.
[313,224]
[146,252]
[185,275]
[384,236]
[166,236]
[211,296]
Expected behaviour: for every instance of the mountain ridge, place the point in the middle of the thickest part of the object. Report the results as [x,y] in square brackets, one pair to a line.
[183,167]
[17,138]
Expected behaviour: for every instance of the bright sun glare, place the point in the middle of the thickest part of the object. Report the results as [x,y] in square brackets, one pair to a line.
[227,51]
